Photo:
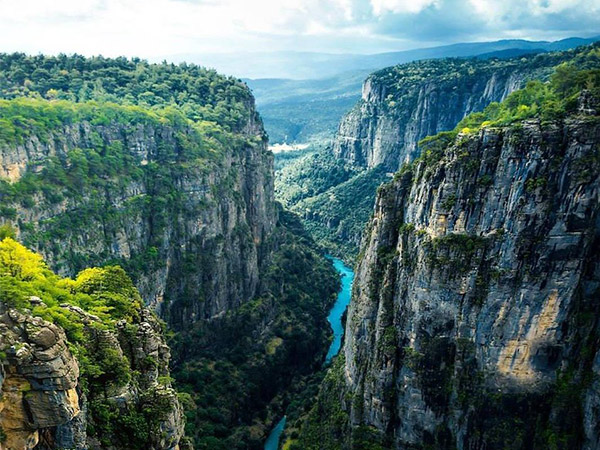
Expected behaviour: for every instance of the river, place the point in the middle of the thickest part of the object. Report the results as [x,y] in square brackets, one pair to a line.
[335,320]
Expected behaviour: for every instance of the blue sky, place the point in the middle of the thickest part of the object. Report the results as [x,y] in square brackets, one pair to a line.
[157,28]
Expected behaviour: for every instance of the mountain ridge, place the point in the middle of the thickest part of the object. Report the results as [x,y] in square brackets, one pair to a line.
[473,322]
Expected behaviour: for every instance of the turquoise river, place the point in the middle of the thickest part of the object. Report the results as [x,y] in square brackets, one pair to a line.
[335,320]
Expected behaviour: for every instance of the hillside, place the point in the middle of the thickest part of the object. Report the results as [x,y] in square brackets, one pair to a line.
[84,363]
[473,322]
[300,107]
[400,106]
[164,170]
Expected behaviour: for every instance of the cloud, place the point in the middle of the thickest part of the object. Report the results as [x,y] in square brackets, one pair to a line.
[459,20]
[151,28]
[381,7]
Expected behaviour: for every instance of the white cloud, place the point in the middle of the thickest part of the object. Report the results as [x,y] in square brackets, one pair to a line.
[166,27]
[381,7]
[125,26]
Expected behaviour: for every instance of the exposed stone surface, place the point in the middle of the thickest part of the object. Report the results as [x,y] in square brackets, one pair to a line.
[41,404]
[475,300]
[401,105]
[207,254]
[39,379]
[421,99]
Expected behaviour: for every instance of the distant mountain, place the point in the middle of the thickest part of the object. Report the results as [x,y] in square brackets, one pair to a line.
[313,65]
[304,110]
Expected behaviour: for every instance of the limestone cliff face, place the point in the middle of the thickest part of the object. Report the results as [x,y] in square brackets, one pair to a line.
[474,319]
[38,379]
[191,234]
[401,105]
[43,405]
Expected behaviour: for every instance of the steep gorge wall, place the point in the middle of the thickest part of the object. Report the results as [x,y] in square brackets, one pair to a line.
[474,318]
[400,105]
[403,104]
[45,402]
[191,232]
[182,198]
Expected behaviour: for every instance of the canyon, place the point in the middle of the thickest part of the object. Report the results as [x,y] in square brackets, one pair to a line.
[473,321]
[155,294]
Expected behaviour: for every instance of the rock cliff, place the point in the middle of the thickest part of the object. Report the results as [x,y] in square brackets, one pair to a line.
[474,320]
[189,228]
[163,170]
[86,381]
[400,105]
[403,104]
[39,379]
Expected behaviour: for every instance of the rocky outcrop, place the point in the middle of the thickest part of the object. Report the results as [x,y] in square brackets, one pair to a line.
[403,104]
[38,379]
[474,320]
[191,232]
[400,105]
[43,405]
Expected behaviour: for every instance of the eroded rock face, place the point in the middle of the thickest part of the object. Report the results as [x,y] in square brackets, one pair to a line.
[39,380]
[193,239]
[402,105]
[474,316]
[42,405]
[149,355]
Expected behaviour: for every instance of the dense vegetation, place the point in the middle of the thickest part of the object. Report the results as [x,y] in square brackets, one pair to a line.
[108,294]
[308,174]
[546,101]
[89,176]
[95,108]
[334,199]
[116,144]
[233,367]
[402,82]
[336,218]
[200,94]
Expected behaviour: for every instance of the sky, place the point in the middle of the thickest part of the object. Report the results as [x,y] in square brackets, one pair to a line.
[157,29]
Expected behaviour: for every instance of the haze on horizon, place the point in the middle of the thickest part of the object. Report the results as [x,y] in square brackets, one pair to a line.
[178,30]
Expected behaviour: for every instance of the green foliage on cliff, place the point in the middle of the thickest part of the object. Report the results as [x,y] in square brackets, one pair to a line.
[104,125]
[231,372]
[336,217]
[334,198]
[87,308]
[548,101]
[457,77]
[87,181]
[107,293]
[199,93]
[325,427]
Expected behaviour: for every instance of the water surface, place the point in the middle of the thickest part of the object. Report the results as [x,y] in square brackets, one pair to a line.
[335,320]
[341,303]
[272,442]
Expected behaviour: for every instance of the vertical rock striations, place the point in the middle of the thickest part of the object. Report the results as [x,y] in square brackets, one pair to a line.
[187,221]
[401,105]
[163,170]
[474,320]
